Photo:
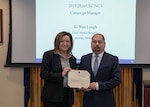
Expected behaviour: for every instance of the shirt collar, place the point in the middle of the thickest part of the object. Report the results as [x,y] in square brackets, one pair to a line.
[68,56]
[99,55]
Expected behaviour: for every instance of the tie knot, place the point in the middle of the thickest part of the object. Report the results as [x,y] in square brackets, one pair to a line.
[96,56]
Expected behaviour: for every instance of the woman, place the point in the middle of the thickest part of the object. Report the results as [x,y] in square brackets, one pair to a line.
[55,66]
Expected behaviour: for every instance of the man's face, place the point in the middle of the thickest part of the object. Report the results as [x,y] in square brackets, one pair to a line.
[98,44]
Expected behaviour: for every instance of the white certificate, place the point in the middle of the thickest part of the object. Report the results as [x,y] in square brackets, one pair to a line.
[78,79]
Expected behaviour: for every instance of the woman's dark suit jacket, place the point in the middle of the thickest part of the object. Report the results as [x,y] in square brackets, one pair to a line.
[108,77]
[51,72]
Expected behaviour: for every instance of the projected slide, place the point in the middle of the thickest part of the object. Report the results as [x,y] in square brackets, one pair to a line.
[115,19]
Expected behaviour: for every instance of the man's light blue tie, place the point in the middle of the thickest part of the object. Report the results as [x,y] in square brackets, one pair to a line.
[95,65]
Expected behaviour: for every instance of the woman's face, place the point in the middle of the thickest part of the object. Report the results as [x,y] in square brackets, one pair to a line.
[65,43]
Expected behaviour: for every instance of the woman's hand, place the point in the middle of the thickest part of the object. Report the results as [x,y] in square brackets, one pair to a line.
[65,71]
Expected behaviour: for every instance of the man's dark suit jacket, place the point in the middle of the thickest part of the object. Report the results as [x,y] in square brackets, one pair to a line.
[108,77]
[51,72]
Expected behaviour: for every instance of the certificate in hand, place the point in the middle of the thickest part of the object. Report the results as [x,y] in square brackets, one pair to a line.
[78,79]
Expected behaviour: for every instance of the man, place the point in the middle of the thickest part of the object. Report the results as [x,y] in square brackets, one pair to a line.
[104,79]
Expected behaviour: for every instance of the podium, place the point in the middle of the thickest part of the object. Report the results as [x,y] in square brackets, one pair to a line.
[147,93]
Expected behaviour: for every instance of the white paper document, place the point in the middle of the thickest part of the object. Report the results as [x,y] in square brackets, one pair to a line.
[78,79]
